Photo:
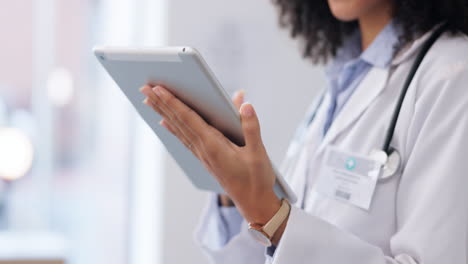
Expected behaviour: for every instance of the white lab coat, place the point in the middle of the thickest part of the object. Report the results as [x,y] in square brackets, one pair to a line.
[419,215]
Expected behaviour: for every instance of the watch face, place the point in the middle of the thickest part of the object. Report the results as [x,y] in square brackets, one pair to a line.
[260,237]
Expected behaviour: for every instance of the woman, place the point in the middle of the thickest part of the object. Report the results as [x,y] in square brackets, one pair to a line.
[418,213]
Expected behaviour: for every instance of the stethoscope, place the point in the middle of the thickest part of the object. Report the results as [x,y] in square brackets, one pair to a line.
[388,156]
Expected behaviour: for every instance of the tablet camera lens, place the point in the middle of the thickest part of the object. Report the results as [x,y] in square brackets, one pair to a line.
[102,57]
[183,49]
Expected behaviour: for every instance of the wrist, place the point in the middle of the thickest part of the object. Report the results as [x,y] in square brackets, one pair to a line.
[262,209]
[271,232]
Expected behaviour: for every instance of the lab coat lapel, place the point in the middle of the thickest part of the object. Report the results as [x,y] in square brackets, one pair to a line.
[370,87]
[412,48]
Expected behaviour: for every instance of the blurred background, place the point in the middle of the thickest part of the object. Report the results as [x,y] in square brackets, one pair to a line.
[83,179]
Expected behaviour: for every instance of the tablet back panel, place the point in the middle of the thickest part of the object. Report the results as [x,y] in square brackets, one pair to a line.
[185,74]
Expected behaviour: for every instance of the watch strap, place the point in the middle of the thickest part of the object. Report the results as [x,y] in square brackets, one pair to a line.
[278,219]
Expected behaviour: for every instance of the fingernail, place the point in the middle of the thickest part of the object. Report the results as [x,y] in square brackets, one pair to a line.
[164,124]
[158,90]
[247,110]
[239,93]
[144,90]
[145,101]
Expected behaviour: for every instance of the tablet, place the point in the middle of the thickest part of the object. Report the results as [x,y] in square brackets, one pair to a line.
[182,71]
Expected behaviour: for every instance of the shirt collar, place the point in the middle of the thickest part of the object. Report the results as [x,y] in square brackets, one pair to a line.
[378,54]
[348,52]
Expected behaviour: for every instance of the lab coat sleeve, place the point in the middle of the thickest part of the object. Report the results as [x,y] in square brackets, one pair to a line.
[222,234]
[431,203]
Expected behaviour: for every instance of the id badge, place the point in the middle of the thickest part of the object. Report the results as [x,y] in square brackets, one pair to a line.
[348,177]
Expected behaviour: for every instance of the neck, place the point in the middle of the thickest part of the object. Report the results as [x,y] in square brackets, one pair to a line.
[372,23]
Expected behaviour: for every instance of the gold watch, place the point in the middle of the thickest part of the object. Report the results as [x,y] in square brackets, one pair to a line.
[264,233]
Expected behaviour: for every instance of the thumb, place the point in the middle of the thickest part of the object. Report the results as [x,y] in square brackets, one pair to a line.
[250,126]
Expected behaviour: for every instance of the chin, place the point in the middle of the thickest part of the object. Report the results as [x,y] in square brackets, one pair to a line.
[344,17]
[344,10]
[349,10]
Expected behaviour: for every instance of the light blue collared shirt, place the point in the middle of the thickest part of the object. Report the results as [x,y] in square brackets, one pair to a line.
[344,75]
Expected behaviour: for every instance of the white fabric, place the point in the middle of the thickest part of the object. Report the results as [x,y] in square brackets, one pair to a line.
[214,242]
[419,215]
[221,224]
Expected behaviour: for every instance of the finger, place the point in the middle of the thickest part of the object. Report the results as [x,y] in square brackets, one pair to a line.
[185,134]
[204,138]
[250,127]
[146,86]
[159,105]
[147,90]
[168,125]
[181,134]
[195,151]
[164,113]
[152,100]
[175,131]
[185,117]
[238,98]
[172,116]
[149,102]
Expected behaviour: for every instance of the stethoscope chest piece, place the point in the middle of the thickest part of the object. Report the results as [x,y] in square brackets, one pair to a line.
[391,163]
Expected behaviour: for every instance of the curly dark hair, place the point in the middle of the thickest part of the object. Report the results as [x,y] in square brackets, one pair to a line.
[322,34]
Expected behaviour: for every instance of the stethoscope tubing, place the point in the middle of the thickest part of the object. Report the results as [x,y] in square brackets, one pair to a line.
[422,53]
[396,113]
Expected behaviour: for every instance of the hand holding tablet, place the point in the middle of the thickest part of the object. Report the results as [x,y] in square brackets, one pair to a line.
[245,172]
[219,149]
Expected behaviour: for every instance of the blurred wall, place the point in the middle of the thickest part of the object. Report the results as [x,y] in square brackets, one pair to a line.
[16,52]
[82,194]
[244,47]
